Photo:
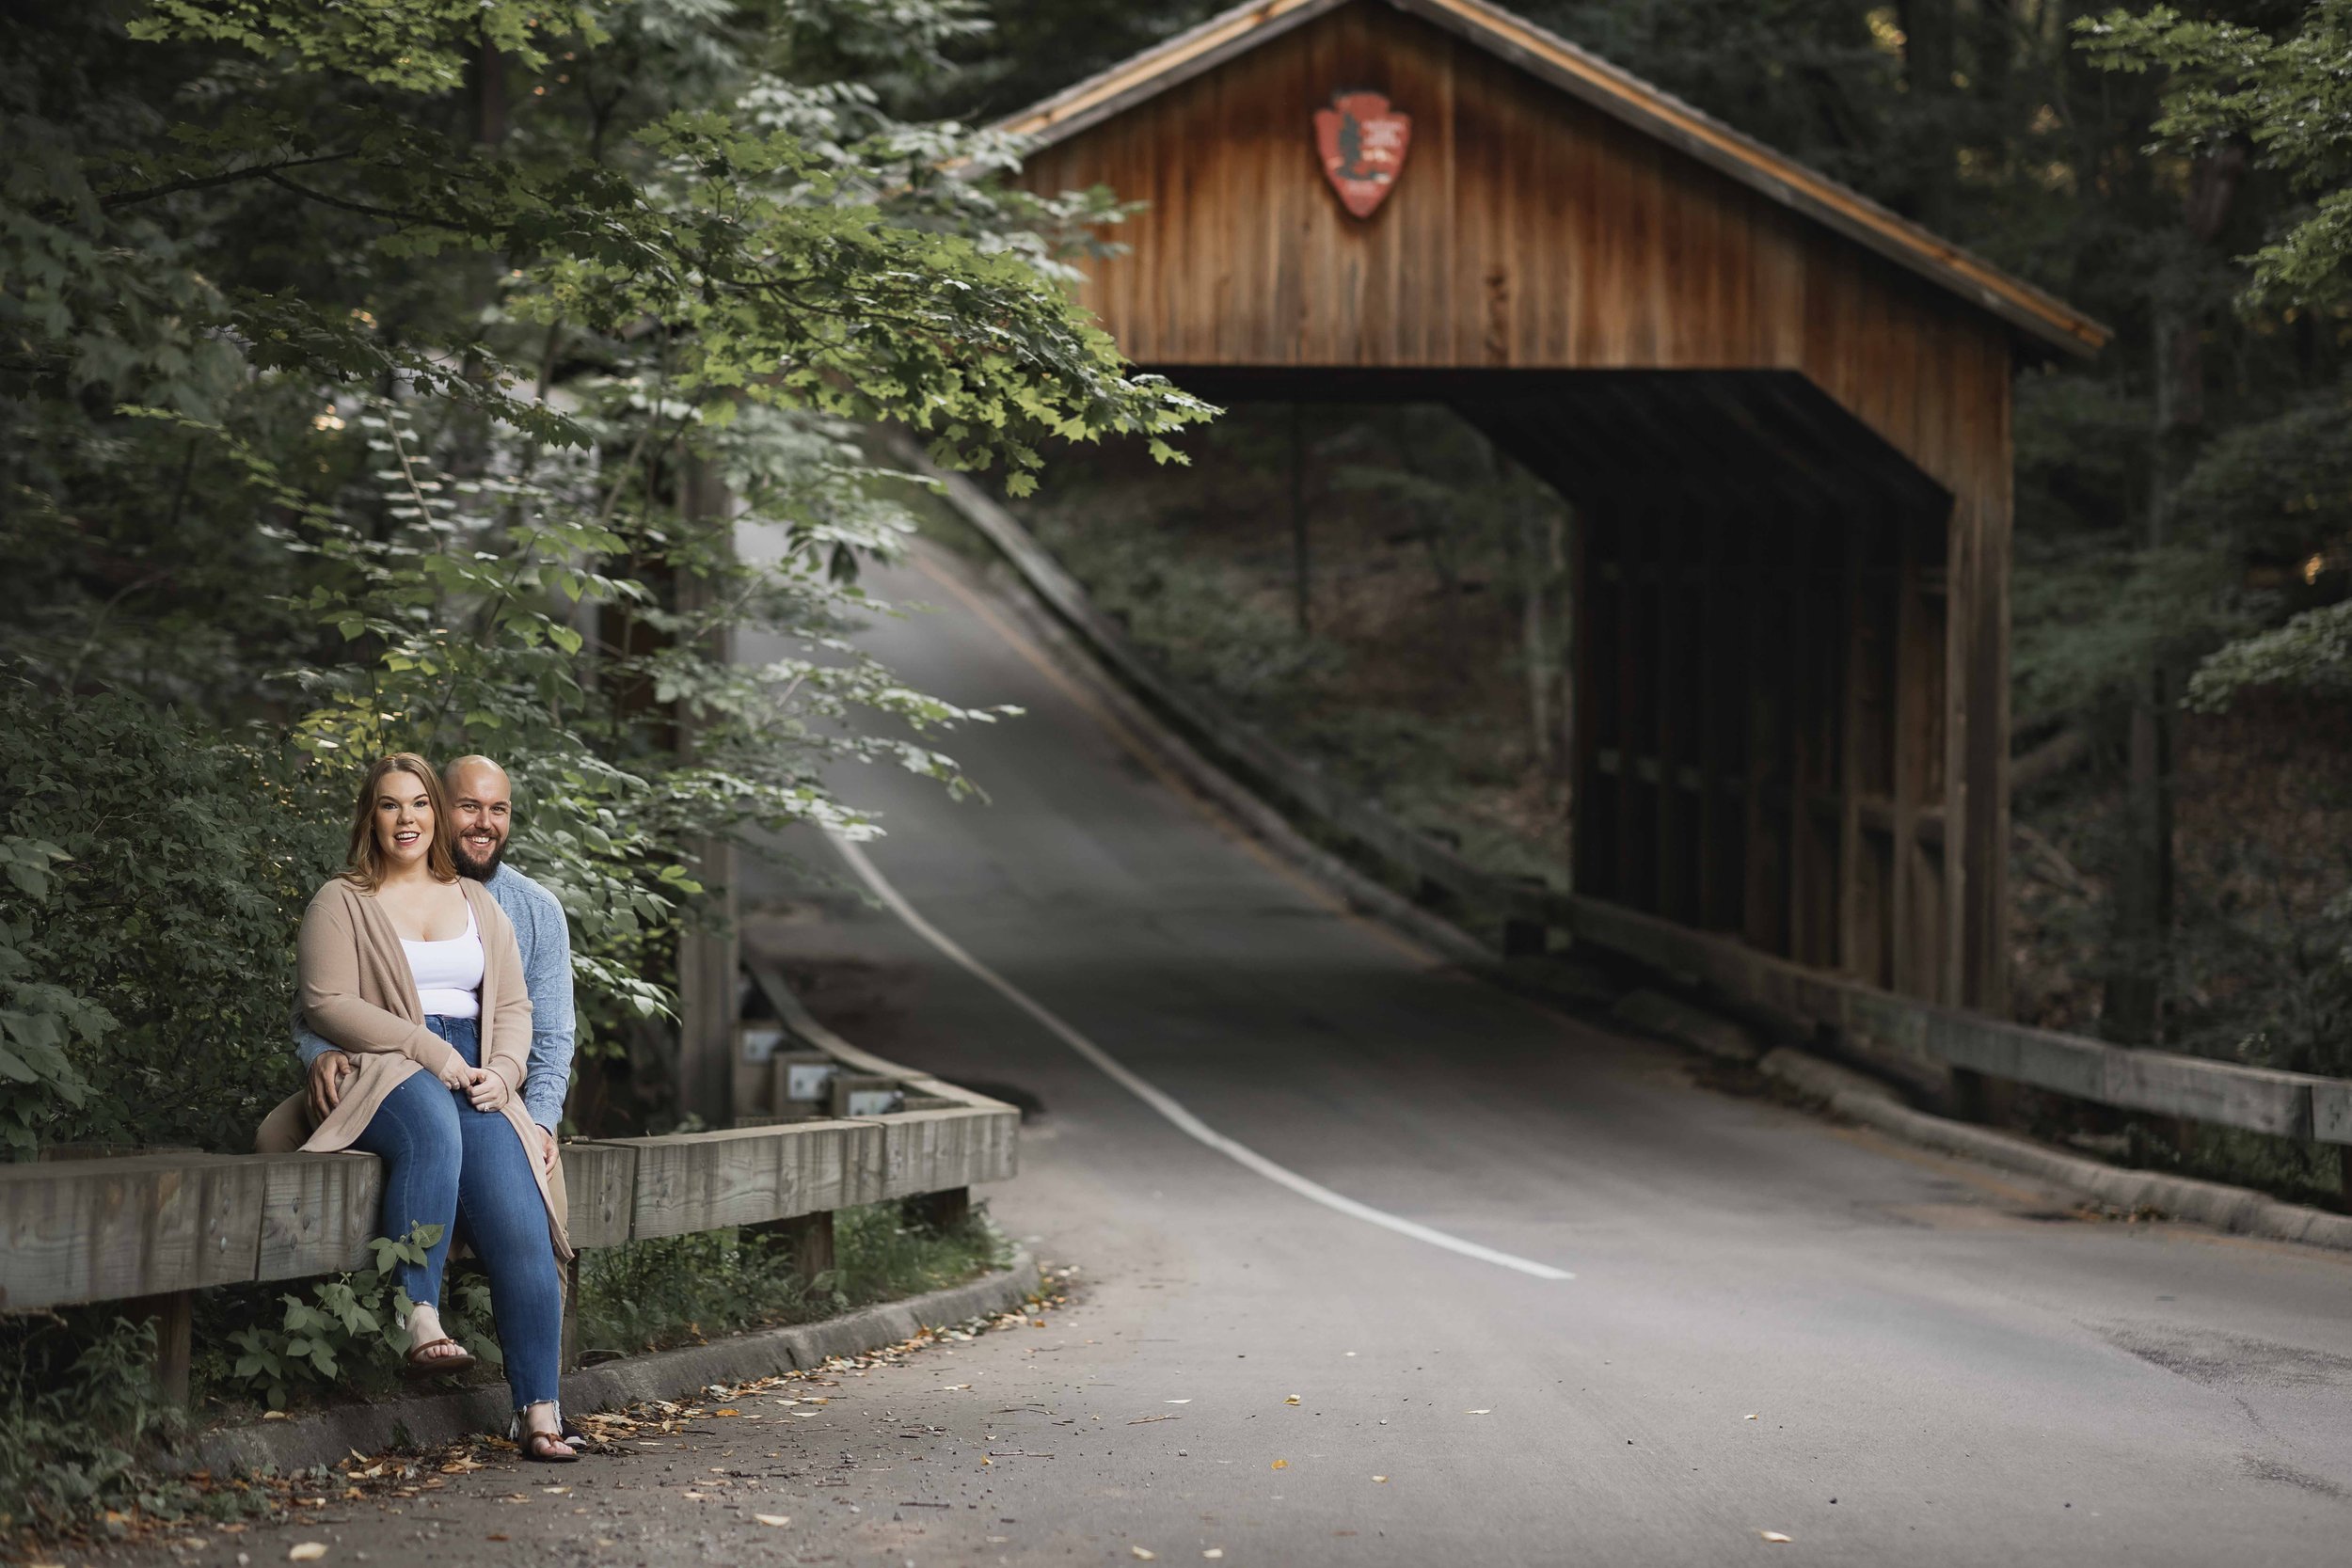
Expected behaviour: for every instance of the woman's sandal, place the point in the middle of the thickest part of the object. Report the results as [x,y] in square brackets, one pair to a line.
[538,1447]
[423,1366]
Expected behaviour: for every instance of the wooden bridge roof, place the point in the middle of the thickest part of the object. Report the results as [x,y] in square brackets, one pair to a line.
[2042,317]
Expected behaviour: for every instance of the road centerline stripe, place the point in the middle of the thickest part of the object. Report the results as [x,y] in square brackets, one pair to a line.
[1170,1108]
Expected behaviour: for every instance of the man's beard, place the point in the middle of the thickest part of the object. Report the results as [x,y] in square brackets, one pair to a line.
[480,871]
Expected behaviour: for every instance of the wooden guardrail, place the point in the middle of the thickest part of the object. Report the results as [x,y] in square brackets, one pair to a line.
[2286,1104]
[150,1229]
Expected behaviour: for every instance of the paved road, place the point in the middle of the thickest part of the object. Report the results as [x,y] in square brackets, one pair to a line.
[1943,1366]
[1773,1323]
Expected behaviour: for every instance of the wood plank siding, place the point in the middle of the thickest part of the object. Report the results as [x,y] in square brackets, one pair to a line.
[1789,456]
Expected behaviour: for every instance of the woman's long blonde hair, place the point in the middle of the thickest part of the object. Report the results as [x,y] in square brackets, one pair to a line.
[366,867]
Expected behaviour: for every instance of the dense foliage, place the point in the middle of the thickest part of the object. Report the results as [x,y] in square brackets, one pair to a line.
[397,376]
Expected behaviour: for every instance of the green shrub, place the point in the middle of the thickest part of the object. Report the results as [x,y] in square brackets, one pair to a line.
[643,1296]
[347,1334]
[77,1399]
[179,864]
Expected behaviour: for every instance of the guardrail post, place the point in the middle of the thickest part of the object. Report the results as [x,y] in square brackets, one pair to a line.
[942,1211]
[174,1317]
[1970,1100]
[810,1237]
[568,1357]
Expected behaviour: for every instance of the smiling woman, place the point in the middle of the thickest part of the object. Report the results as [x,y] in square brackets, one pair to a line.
[415,972]
[394,829]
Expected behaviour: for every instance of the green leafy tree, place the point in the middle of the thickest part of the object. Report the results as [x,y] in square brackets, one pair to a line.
[402,376]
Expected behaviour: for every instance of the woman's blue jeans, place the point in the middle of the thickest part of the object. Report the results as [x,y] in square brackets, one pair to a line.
[465,1170]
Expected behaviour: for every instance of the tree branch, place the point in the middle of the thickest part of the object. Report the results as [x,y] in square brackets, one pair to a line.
[362,208]
[213,181]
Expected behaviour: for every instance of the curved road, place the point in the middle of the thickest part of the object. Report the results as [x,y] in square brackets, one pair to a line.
[1773,1323]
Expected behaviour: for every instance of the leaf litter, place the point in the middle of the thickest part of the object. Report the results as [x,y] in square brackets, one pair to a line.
[391,1477]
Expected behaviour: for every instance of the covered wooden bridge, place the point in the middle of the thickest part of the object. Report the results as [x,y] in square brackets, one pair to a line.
[1781,414]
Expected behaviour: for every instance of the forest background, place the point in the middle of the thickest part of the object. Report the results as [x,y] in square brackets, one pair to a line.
[391,377]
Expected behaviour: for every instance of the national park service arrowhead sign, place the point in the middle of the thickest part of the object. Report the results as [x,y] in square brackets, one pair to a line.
[1362,142]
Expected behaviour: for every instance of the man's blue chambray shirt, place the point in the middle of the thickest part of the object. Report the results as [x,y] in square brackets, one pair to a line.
[546,940]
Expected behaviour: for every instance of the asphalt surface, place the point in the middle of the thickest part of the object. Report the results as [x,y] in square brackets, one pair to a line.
[1774,1324]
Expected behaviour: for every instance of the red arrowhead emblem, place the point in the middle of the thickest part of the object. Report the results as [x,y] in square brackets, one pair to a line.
[1362,142]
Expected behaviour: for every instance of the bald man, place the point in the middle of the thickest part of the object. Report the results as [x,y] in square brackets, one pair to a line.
[482,800]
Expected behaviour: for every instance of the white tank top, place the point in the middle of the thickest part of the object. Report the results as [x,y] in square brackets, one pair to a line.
[449,973]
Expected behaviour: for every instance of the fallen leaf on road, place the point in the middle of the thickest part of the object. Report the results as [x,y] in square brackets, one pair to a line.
[307,1551]
[1381,1478]
[773,1518]
[1775,1535]
[1282,1464]
[1292,1400]
[1142,1553]
[1213,1551]
[494,1536]
[274,1415]
[1751,1417]
[1147,1420]
[698,1496]
[1477,1412]
[726,1413]
[1179,1402]
[555,1491]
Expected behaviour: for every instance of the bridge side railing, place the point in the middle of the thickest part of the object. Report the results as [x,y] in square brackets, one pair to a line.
[2287,1104]
[151,1230]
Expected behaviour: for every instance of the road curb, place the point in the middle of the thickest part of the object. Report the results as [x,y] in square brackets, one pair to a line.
[329,1434]
[2236,1209]
[1656,1013]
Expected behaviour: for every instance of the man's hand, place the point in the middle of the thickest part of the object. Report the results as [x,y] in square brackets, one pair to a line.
[326,1081]
[547,1149]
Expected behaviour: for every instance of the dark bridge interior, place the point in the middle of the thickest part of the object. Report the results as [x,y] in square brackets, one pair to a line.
[1760,621]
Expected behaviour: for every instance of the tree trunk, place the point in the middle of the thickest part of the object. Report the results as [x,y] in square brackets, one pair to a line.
[1301,581]
[1537,556]
[1930,57]
[2134,1010]
[714,1082]
[1541,546]
[487,85]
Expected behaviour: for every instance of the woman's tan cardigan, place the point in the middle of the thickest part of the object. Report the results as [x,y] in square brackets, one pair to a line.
[359,991]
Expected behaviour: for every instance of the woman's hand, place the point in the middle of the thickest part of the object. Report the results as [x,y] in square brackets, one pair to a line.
[455,1074]
[488,1092]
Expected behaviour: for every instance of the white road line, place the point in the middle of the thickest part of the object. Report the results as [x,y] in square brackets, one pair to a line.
[1166,1105]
